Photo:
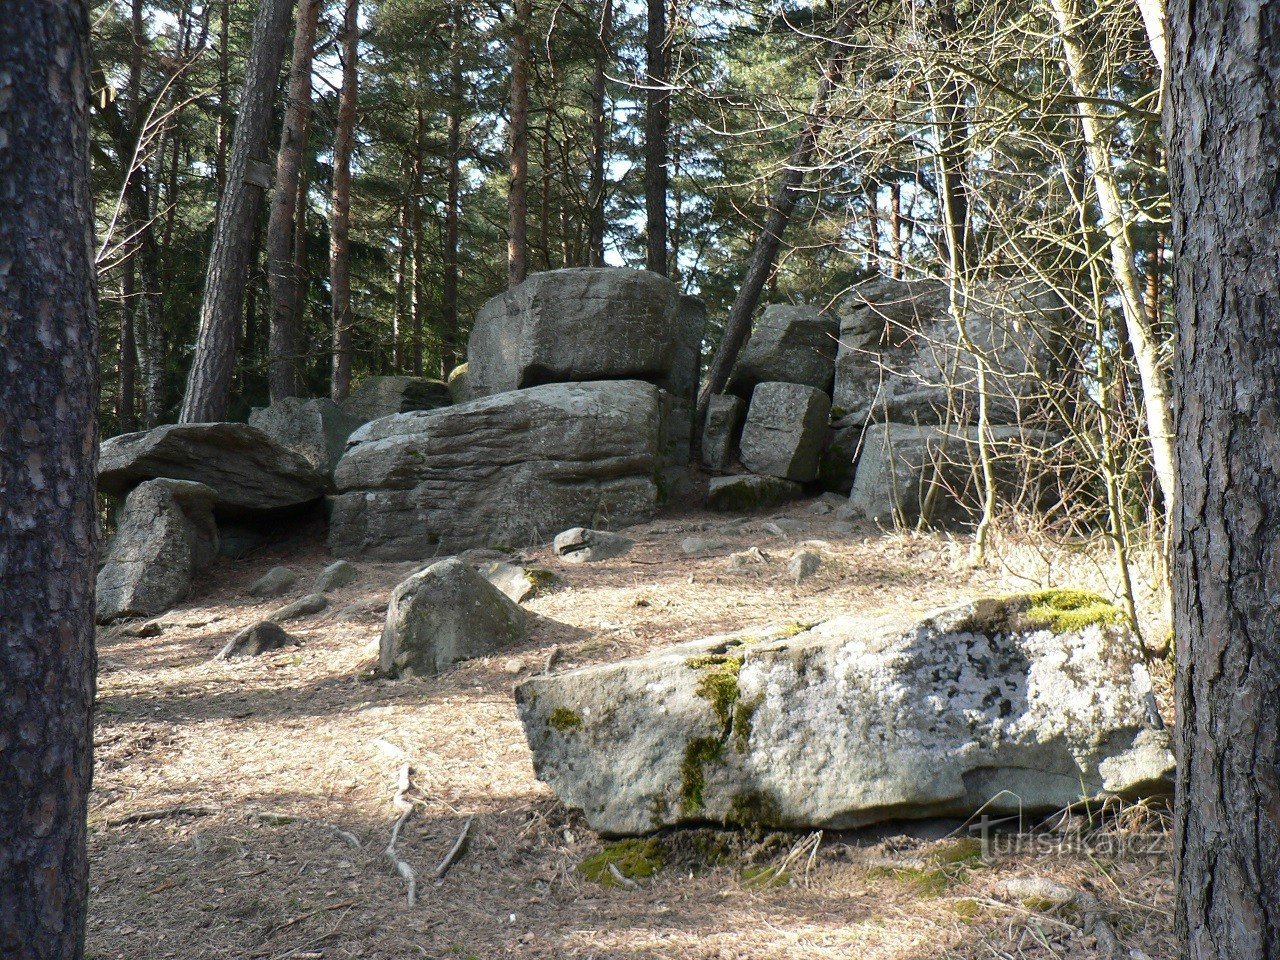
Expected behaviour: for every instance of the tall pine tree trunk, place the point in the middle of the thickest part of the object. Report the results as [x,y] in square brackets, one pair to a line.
[48,459]
[518,146]
[657,121]
[213,366]
[340,217]
[1223,135]
[599,136]
[450,349]
[284,338]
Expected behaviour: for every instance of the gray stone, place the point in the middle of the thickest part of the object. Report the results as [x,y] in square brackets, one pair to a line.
[581,545]
[804,565]
[791,344]
[904,468]
[459,387]
[783,433]
[444,614]
[274,582]
[720,432]
[317,430]
[900,358]
[165,534]
[839,460]
[584,324]
[691,545]
[507,470]
[249,472]
[376,397]
[1024,704]
[335,576]
[675,433]
[745,493]
[262,637]
[753,558]
[303,607]
[516,582]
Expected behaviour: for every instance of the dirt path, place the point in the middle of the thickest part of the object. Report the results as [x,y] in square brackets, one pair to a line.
[228,796]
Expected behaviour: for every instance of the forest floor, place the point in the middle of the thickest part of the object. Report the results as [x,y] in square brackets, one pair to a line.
[229,796]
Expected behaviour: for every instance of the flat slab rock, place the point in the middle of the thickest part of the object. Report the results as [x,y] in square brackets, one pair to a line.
[249,472]
[506,470]
[1025,703]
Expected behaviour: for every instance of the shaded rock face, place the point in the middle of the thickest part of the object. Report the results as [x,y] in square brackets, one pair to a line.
[317,430]
[261,637]
[585,324]
[899,351]
[721,430]
[249,472]
[745,493]
[165,534]
[839,460]
[580,545]
[791,344]
[903,468]
[445,614]
[784,431]
[506,470]
[376,397]
[857,721]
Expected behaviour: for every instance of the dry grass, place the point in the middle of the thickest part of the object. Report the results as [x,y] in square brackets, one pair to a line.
[251,769]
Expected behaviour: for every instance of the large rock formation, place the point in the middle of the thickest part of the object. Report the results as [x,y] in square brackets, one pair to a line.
[164,535]
[510,469]
[1023,704]
[445,614]
[317,430]
[744,493]
[903,468]
[784,431]
[901,359]
[248,472]
[721,430]
[586,324]
[376,397]
[789,343]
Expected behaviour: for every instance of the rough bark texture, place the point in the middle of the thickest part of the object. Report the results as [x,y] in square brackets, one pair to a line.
[212,367]
[340,218]
[282,278]
[657,121]
[449,293]
[1223,137]
[518,145]
[48,445]
[599,136]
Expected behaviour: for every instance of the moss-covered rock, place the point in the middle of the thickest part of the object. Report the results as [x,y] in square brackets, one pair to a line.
[633,859]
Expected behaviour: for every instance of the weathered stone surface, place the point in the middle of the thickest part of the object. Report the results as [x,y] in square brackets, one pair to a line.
[516,582]
[376,397]
[674,436]
[302,607]
[899,357]
[784,430]
[744,493]
[459,387]
[507,470]
[248,471]
[837,465]
[444,614]
[317,430]
[721,430]
[261,637]
[1027,704]
[581,545]
[164,535]
[585,324]
[804,565]
[274,582]
[790,344]
[903,467]
[336,575]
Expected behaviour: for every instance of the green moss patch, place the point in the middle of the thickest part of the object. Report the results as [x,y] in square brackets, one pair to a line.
[923,881]
[564,720]
[693,779]
[752,810]
[635,859]
[718,682]
[762,878]
[1060,611]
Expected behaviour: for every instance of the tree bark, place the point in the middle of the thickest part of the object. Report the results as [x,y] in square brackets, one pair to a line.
[284,338]
[1146,352]
[340,217]
[764,254]
[599,136]
[449,350]
[212,367]
[518,146]
[127,366]
[1223,134]
[657,122]
[48,459]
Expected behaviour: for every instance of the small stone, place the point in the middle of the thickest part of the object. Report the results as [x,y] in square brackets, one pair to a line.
[338,574]
[747,559]
[311,603]
[700,544]
[514,666]
[261,637]
[273,583]
[582,545]
[518,583]
[820,507]
[804,565]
